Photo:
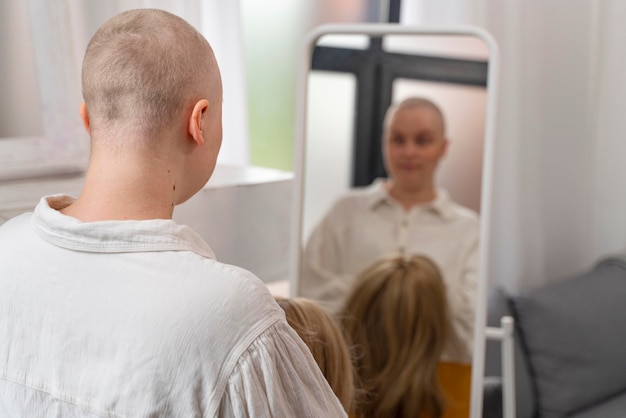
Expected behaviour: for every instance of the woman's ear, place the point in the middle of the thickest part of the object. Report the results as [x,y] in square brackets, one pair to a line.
[444,147]
[82,110]
[196,123]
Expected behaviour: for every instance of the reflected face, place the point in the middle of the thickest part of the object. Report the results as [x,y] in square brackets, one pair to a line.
[414,143]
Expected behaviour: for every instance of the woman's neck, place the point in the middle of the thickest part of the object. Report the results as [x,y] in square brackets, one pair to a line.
[131,189]
[409,197]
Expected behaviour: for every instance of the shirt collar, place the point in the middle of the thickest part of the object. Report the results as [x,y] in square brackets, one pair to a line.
[113,236]
[442,205]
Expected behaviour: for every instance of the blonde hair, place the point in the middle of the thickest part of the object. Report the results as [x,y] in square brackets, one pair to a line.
[322,335]
[142,67]
[397,320]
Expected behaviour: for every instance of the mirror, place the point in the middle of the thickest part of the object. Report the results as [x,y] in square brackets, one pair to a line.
[348,76]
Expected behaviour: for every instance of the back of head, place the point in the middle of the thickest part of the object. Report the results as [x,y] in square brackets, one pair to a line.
[323,336]
[397,320]
[140,71]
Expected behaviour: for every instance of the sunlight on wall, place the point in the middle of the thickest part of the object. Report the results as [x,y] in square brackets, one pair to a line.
[274,33]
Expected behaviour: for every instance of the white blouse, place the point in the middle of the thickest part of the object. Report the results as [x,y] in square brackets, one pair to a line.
[137,319]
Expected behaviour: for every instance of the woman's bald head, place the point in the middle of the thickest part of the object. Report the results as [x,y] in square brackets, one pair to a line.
[142,69]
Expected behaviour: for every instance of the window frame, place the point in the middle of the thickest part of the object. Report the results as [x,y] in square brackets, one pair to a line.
[64,146]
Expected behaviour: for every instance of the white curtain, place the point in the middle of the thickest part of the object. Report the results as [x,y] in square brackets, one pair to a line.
[220,22]
[558,202]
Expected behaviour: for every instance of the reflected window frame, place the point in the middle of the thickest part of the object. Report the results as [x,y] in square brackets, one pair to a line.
[376,69]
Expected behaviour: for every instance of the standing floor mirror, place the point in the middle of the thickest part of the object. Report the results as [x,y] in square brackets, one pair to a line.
[348,76]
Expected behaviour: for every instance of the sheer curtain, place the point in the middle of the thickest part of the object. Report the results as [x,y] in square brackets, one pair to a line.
[558,201]
[220,22]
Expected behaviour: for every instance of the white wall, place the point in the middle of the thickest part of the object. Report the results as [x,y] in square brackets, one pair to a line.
[20,105]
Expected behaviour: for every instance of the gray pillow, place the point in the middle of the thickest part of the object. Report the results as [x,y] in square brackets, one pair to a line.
[608,408]
[574,331]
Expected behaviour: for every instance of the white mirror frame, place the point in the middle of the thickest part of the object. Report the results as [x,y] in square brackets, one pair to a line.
[64,146]
[478,361]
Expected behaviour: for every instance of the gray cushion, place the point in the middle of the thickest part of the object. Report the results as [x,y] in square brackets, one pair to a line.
[574,332]
[614,407]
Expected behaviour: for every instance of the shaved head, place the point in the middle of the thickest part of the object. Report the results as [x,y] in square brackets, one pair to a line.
[141,71]
[414,102]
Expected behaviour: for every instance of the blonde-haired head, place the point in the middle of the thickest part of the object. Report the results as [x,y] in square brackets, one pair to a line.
[397,320]
[322,335]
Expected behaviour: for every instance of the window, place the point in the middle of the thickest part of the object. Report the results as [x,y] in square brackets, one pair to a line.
[58,144]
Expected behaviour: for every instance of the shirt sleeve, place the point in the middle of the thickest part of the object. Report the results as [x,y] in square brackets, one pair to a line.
[278,377]
[462,301]
[321,277]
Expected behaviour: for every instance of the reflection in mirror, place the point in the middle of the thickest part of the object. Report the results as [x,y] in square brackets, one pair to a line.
[352,75]
[336,97]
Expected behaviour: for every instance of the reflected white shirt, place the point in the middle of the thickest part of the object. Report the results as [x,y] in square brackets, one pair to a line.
[137,319]
[368,224]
